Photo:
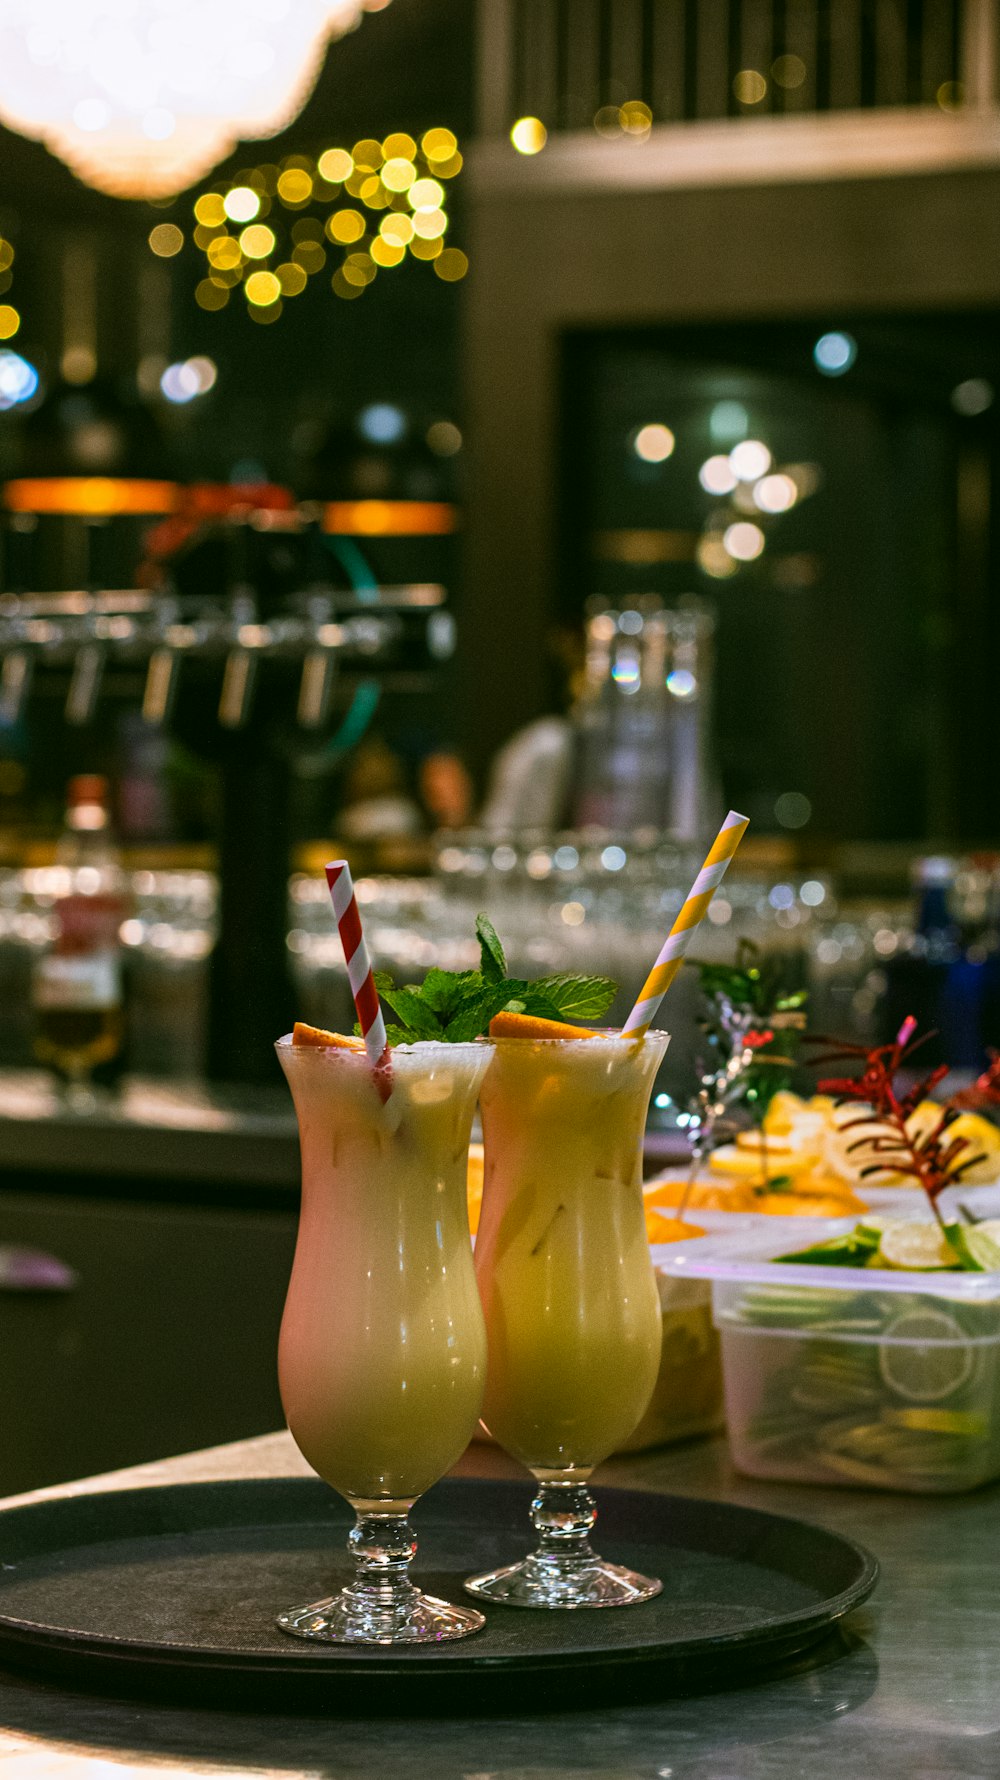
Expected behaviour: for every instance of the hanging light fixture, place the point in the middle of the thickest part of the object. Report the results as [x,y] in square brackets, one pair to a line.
[142,97]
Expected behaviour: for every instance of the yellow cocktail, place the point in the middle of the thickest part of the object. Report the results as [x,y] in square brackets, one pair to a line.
[569,1295]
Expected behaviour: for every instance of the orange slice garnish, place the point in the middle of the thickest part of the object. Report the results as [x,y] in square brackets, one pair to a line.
[508,1025]
[315,1035]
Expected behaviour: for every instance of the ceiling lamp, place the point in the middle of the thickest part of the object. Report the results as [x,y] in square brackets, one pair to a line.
[142,97]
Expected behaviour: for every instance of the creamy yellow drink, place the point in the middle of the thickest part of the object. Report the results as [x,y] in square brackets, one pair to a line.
[562,1259]
[382,1353]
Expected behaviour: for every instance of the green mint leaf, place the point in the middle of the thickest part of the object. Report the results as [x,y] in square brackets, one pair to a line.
[472,1020]
[445,991]
[576,998]
[410,1009]
[494,962]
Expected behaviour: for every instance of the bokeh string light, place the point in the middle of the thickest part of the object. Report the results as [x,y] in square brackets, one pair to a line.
[273,228]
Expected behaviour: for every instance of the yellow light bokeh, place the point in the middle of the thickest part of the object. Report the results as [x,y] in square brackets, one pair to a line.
[224,252]
[749,86]
[10,321]
[428,224]
[386,252]
[789,71]
[448,169]
[636,118]
[295,186]
[335,165]
[210,294]
[426,250]
[257,241]
[368,154]
[206,232]
[308,228]
[345,225]
[528,135]
[451,265]
[262,289]
[608,120]
[398,174]
[309,255]
[654,443]
[426,194]
[438,144]
[240,205]
[6,255]
[265,315]
[291,278]
[210,210]
[342,286]
[166,240]
[374,194]
[399,145]
[359,268]
[397,227]
[79,364]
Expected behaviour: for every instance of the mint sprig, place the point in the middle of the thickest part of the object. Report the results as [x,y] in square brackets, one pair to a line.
[457,1006]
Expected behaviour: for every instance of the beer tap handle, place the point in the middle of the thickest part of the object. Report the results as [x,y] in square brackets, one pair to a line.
[85,685]
[238,678]
[160,689]
[15,685]
[319,671]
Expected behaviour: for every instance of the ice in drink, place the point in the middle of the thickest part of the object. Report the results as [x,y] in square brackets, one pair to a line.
[562,1258]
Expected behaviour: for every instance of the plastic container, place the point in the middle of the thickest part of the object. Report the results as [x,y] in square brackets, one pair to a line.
[865,1377]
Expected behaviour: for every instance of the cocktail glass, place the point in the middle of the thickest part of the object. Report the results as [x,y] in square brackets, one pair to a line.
[382,1356]
[569,1294]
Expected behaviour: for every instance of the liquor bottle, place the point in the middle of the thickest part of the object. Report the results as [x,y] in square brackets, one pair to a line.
[929,977]
[77,989]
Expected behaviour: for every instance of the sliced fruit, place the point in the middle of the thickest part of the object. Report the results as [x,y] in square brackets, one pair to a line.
[660,1229]
[509,1025]
[748,1164]
[983,1141]
[937,1421]
[315,1035]
[784,1112]
[775,1146]
[978,1247]
[704,1195]
[916,1248]
[924,1356]
[474,1185]
[923,1118]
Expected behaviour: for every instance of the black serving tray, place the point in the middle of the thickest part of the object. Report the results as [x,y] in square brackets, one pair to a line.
[174,1592]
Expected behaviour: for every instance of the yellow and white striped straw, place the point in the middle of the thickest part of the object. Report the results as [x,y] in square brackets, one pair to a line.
[691,915]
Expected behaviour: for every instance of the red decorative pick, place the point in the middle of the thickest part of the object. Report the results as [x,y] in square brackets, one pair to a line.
[934,1160]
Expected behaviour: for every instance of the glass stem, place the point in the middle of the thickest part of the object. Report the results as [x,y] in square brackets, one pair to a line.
[383,1547]
[564,1516]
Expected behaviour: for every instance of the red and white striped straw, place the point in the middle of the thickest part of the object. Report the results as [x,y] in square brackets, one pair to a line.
[359,973]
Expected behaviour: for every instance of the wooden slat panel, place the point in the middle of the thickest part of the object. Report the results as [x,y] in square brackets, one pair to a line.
[583,62]
[667,84]
[801,39]
[714,75]
[496,96]
[756,37]
[845,54]
[890,52]
[625,69]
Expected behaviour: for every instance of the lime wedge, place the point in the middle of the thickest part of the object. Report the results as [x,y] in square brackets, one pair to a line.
[917,1248]
[978,1246]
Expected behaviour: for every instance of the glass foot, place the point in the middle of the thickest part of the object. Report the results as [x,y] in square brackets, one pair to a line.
[565,1571]
[543,1582]
[346,1619]
[381,1605]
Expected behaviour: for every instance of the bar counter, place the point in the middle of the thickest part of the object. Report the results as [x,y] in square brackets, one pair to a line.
[907,1691]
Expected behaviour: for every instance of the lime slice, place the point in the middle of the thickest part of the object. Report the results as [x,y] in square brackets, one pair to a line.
[924,1357]
[917,1248]
[937,1421]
